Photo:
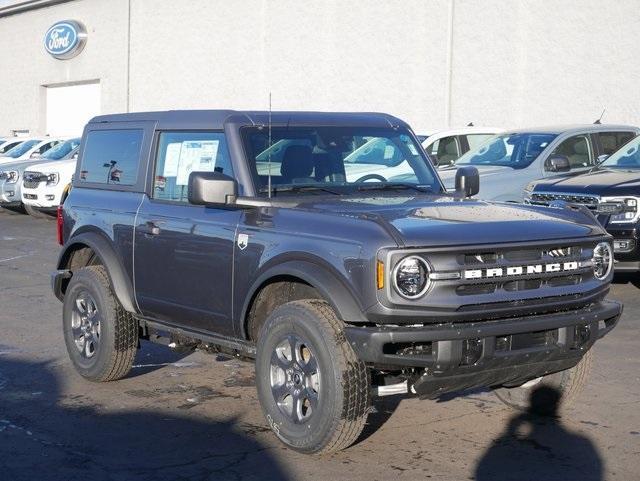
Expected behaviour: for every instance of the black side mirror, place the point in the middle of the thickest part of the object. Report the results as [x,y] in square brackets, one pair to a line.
[558,163]
[467,181]
[212,188]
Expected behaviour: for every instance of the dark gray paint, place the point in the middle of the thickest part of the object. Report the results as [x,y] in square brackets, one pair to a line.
[185,267]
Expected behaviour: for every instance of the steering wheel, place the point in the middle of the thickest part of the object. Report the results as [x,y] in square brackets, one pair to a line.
[364,178]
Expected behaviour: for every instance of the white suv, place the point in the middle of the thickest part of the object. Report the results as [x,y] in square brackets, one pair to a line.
[45,185]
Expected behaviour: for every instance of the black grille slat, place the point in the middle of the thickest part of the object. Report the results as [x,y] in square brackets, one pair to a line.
[514,283]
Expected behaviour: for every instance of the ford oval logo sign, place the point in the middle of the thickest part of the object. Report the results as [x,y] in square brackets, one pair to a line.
[65,39]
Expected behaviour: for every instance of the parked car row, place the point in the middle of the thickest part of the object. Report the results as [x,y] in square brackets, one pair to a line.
[594,165]
[35,173]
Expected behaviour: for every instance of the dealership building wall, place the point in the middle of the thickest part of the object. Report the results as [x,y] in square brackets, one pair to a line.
[436,63]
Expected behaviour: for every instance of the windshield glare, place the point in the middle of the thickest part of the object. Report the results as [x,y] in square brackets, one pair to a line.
[337,160]
[626,157]
[61,150]
[517,150]
[20,149]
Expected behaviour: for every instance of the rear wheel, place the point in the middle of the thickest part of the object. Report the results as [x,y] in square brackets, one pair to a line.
[313,389]
[101,337]
[549,395]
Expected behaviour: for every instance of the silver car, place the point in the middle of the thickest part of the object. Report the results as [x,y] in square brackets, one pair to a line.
[509,161]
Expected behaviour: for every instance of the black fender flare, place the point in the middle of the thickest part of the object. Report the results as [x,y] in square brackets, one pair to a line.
[103,249]
[331,287]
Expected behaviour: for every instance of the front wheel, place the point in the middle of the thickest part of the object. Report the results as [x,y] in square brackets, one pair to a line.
[313,389]
[549,395]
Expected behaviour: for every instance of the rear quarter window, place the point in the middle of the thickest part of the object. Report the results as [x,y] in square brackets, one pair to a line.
[111,156]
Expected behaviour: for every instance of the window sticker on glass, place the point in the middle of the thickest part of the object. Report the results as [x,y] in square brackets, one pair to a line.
[389,151]
[172,159]
[196,156]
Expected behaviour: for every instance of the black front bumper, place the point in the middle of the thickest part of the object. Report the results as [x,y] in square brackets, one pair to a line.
[457,356]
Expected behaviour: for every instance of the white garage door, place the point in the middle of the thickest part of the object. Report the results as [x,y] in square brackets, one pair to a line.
[70,107]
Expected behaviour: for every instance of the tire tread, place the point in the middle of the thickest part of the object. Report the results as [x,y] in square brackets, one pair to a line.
[125,331]
[356,381]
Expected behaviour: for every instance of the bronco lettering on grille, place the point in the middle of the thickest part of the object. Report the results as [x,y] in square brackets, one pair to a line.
[494,272]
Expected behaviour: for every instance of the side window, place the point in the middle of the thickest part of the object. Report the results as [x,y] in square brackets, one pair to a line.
[446,150]
[112,156]
[476,140]
[44,147]
[578,150]
[612,141]
[180,153]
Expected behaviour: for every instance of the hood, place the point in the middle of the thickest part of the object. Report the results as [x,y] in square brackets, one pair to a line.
[429,221]
[448,174]
[602,182]
[19,165]
[54,166]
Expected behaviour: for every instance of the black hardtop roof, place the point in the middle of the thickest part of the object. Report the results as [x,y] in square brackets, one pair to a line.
[215,119]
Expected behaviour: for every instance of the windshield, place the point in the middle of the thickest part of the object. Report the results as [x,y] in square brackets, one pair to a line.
[21,148]
[517,150]
[61,150]
[337,160]
[626,157]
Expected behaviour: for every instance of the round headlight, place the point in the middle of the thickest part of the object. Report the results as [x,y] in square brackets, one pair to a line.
[602,260]
[411,277]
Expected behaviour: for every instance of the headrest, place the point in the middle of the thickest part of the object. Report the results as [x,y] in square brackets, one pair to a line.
[297,162]
[580,147]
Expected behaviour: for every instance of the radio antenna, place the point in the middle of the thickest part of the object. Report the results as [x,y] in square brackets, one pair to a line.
[598,121]
[269,156]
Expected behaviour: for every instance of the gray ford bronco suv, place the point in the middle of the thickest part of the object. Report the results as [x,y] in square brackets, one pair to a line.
[325,247]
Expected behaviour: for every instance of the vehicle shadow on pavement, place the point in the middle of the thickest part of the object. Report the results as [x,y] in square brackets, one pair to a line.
[151,357]
[535,448]
[47,435]
[626,278]
[382,410]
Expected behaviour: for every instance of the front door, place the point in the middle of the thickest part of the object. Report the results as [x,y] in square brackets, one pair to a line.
[578,149]
[183,254]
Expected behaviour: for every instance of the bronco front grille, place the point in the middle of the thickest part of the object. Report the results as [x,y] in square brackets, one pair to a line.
[494,281]
[544,198]
[507,270]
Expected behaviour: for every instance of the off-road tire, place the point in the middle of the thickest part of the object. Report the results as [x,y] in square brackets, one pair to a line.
[118,338]
[343,395]
[34,212]
[562,389]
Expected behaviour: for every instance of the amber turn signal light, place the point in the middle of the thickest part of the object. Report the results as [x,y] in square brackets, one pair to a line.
[380,274]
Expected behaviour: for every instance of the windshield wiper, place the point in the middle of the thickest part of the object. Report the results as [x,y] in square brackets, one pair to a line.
[300,188]
[394,186]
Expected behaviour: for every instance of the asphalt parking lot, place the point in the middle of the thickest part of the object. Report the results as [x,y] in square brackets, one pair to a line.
[196,417]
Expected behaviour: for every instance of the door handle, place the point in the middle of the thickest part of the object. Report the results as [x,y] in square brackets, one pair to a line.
[151,228]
